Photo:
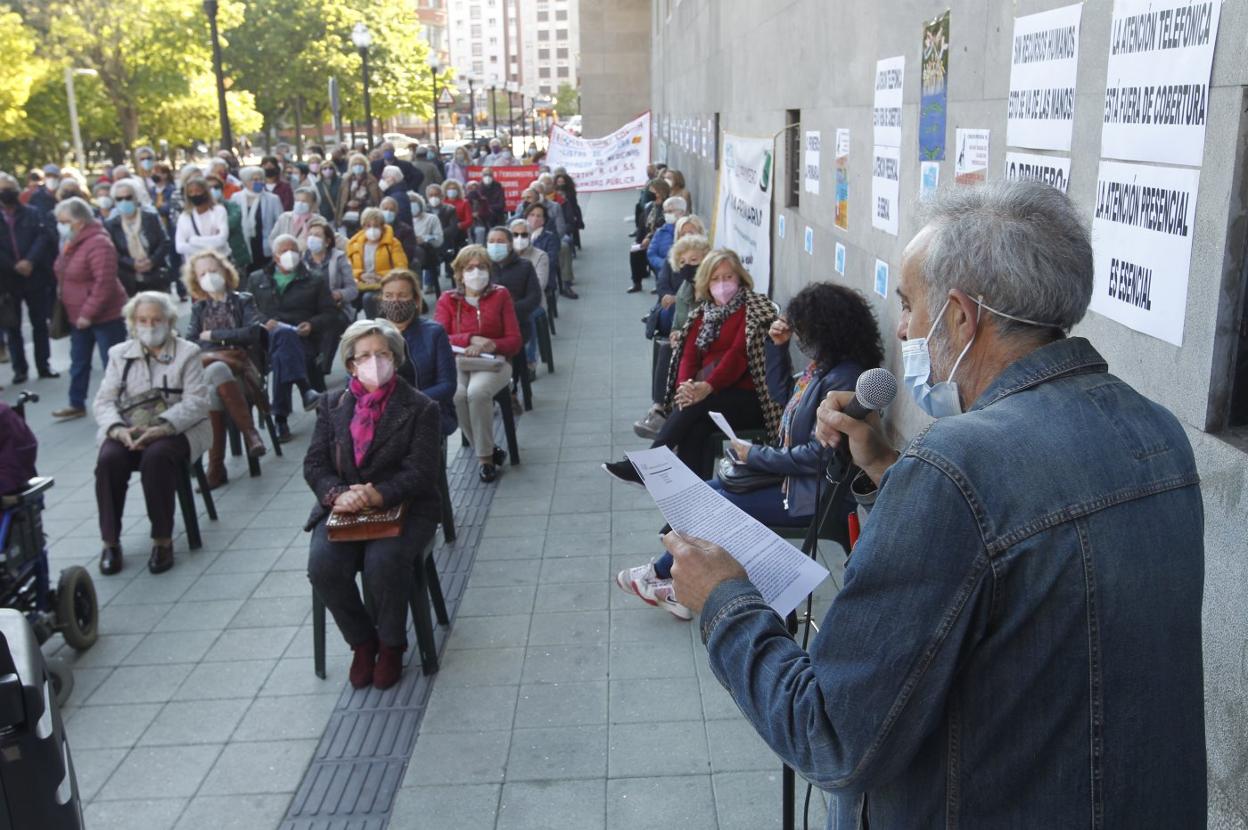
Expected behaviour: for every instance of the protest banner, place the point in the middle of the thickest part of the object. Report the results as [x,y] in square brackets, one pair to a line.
[812,161]
[842,179]
[1030,167]
[1044,61]
[971,166]
[886,188]
[514,180]
[742,219]
[615,162]
[934,88]
[1142,229]
[890,74]
[1157,81]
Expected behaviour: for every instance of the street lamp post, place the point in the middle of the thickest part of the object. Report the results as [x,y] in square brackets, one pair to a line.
[511,115]
[437,130]
[363,39]
[80,156]
[227,136]
[472,107]
[494,109]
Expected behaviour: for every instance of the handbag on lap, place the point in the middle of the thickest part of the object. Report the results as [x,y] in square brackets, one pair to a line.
[366,525]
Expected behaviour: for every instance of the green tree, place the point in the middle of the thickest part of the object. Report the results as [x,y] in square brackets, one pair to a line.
[567,100]
[18,74]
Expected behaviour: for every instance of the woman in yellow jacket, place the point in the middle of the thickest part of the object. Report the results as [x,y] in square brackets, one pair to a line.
[374,252]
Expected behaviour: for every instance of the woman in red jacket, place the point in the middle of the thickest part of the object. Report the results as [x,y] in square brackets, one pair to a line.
[92,294]
[481,321]
[718,365]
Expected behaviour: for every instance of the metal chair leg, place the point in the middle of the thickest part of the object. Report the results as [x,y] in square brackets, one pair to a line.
[509,424]
[318,635]
[190,517]
[202,480]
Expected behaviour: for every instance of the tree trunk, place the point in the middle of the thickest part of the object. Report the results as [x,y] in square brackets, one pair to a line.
[299,128]
[318,121]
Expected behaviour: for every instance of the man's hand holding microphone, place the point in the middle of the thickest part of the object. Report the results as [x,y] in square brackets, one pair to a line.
[867,445]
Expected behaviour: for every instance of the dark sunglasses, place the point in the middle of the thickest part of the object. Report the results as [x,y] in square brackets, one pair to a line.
[124,199]
[522,235]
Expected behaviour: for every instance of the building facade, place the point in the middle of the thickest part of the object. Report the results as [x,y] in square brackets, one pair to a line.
[780,69]
[530,43]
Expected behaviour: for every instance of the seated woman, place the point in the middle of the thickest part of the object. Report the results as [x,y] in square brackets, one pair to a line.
[837,331]
[374,251]
[229,332]
[295,221]
[324,261]
[377,444]
[18,449]
[480,319]
[297,309]
[427,229]
[152,410]
[430,364]
[521,243]
[517,275]
[717,365]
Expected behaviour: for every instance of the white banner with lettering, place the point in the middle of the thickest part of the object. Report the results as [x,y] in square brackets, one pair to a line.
[615,162]
[743,204]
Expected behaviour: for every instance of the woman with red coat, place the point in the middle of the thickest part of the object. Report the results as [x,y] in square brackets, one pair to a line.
[481,322]
[92,294]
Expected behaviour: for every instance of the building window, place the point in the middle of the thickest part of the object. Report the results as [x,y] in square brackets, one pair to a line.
[476,50]
[543,72]
[792,157]
[475,13]
[544,89]
[477,67]
[542,17]
[562,34]
[562,53]
[543,34]
[561,14]
[544,54]
[475,31]
[563,72]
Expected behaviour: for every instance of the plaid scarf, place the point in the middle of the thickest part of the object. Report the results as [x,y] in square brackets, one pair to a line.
[713,317]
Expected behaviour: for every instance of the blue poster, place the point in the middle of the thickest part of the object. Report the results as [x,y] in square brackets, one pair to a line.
[934,89]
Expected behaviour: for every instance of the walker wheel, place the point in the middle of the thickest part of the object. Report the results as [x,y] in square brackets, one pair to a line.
[77,609]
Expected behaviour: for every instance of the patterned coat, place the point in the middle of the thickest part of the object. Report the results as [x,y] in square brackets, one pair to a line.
[760,313]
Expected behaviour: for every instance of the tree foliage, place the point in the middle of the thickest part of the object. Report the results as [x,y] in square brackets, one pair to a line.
[567,100]
[18,73]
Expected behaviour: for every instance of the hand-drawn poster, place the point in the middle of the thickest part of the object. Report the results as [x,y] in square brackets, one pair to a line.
[842,179]
[934,88]
[972,162]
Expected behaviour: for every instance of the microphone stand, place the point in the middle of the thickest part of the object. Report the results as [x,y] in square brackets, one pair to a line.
[848,470]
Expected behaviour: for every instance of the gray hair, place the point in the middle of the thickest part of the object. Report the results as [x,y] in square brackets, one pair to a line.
[391,171]
[160,298]
[360,329]
[690,219]
[1022,246]
[282,239]
[133,185]
[309,191]
[74,208]
[5,177]
[250,172]
[676,203]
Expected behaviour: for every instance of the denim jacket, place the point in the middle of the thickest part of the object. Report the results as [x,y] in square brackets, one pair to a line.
[1018,640]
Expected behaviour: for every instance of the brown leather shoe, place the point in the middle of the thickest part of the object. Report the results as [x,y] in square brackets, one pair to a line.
[389,667]
[362,669]
[161,559]
[110,560]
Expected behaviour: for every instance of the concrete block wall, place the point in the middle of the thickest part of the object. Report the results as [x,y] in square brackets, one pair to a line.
[749,62]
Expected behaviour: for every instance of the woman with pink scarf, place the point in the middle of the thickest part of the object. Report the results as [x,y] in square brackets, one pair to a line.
[377,444]
[295,221]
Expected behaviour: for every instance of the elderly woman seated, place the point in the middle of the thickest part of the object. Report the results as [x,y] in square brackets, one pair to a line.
[377,445]
[297,309]
[430,364]
[717,365]
[230,333]
[374,251]
[152,410]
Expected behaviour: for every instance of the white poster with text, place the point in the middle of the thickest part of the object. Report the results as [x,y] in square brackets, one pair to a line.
[1142,246]
[885,188]
[1157,83]
[616,162]
[743,206]
[890,74]
[812,161]
[971,165]
[1044,61]
[1031,167]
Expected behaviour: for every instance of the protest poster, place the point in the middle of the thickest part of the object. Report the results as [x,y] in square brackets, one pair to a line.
[742,219]
[1030,167]
[812,161]
[615,162]
[842,179]
[514,180]
[971,166]
[886,188]
[934,86]
[1142,229]
[929,178]
[808,240]
[881,278]
[1044,61]
[1157,82]
[890,73]
[839,260]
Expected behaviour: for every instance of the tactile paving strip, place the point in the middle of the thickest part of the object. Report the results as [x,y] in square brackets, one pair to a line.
[357,768]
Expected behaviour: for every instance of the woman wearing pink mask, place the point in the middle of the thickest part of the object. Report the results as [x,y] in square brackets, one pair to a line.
[377,444]
[718,365]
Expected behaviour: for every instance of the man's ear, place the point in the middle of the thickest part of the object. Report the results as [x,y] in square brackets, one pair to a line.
[962,315]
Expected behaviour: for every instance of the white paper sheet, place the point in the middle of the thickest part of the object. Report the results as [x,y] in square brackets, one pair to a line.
[724,426]
[782,573]
[461,350]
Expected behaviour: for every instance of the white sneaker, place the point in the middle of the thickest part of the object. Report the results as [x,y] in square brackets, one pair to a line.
[635,581]
[665,597]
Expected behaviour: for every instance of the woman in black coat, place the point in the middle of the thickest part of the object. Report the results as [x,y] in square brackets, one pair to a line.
[138,234]
[377,444]
[516,275]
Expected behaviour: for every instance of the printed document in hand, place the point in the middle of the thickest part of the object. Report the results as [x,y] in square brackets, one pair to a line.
[483,355]
[782,573]
[722,422]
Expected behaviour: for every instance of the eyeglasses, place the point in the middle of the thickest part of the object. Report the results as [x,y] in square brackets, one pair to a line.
[520,235]
[124,199]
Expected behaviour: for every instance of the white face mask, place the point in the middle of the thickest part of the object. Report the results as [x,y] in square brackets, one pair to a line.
[374,371]
[372,234]
[213,282]
[315,244]
[289,260]
[434,201]
[476,279]
[302,208]
[487,180]
[152,336]
[520,243]
[670,218]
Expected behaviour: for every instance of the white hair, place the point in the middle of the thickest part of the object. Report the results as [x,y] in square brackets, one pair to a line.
[75,208]
[250,172]
[136,188]
[360,329]
[158,298]
[283,238]
[676,203]
[391,171]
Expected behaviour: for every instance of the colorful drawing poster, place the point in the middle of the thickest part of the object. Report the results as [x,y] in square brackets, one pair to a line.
[933,104]
[881,278]
[890,74]
[971,166]
[929,178]
[1157,82]
[839,261]
[1044,60]
[842,179]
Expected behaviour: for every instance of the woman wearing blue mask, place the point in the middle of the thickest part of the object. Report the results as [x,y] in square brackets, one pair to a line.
[517,275]
[295,221]
[427,228]
[139,236]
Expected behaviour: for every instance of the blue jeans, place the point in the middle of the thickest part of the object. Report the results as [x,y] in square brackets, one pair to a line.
[765,504]
[530,348]
[101,335]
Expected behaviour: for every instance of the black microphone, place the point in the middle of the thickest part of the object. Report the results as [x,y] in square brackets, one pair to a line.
[874,390]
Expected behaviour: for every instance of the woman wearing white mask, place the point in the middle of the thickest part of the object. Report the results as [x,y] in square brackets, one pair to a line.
[203,225]
[377,446]
[230,334]
[374,251]
[480,319]
[325,262]
[260,211]
[297,309]
[295,221]
[140,238]
[152,410]
[323,176]
[360,188]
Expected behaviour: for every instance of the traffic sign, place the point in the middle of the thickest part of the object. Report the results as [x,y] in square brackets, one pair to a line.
[446,98]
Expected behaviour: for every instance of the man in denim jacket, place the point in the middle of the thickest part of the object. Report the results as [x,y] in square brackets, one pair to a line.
[1018,640]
